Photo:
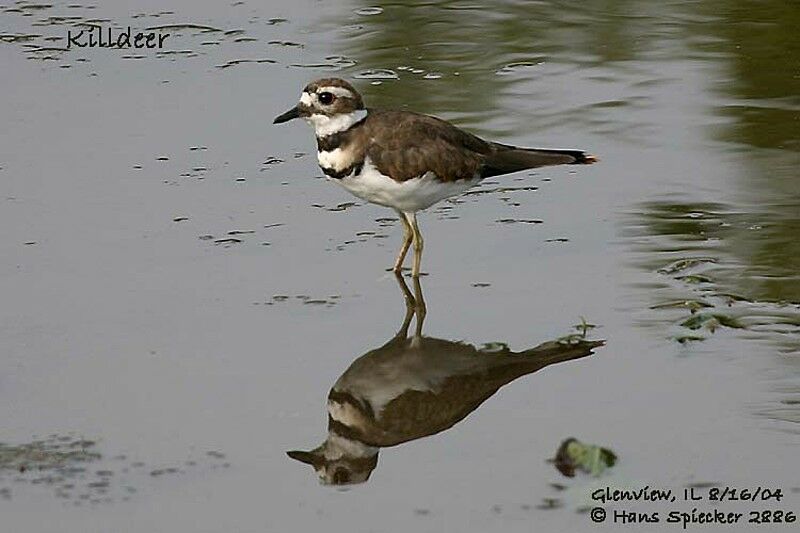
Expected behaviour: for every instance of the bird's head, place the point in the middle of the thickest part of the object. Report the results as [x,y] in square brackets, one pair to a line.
[339,462]
[331,105]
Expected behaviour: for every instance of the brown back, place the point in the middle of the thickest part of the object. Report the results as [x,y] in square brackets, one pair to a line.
[405,145]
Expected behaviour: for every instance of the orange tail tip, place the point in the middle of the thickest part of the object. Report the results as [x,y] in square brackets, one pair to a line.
[588,159]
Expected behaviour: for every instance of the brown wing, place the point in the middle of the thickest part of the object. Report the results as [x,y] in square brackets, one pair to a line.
[405,145]
[415,414]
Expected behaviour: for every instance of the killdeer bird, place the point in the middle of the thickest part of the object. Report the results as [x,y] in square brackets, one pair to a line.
[405,160]
[413,387]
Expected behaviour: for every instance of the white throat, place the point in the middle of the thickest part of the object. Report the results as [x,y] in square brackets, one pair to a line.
[325,125]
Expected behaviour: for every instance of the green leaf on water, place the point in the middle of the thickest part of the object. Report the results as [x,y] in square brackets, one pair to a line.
[591,459]
[711,321]
[695,279]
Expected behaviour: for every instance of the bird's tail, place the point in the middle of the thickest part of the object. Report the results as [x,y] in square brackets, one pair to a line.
[507,366]
[579,157]
[506,159]
[558,351]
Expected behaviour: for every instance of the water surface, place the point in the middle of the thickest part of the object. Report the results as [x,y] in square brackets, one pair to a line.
[181,290]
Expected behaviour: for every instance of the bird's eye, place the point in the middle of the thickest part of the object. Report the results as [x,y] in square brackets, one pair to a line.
[325,98]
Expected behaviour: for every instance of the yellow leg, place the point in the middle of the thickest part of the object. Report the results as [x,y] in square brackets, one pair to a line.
[417,241]
[407,238]
[411,306]
[420,308]
[415,305]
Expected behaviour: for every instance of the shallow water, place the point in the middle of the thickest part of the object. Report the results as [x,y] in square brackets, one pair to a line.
[181,291]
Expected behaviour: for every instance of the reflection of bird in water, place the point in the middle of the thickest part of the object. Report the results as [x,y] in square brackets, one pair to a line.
[412,387]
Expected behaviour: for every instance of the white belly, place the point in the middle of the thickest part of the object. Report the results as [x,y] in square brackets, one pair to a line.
[408,196]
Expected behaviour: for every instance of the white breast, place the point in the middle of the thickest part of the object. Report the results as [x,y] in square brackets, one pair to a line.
[408,196]
[334,159]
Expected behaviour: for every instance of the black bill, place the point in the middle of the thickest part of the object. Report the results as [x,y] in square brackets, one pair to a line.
[286,117]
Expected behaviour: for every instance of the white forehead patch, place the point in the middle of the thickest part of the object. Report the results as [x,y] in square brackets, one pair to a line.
[306,99]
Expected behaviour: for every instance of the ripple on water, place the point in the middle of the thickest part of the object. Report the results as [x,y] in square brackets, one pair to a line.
[331,63]
[201,28]
[18,37]
[287,44]
[235,62]
[377,74]
[712,275]
[369,11]
[518,67]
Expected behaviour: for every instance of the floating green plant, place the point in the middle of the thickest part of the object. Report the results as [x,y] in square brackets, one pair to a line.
[711,321]
[575,455]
